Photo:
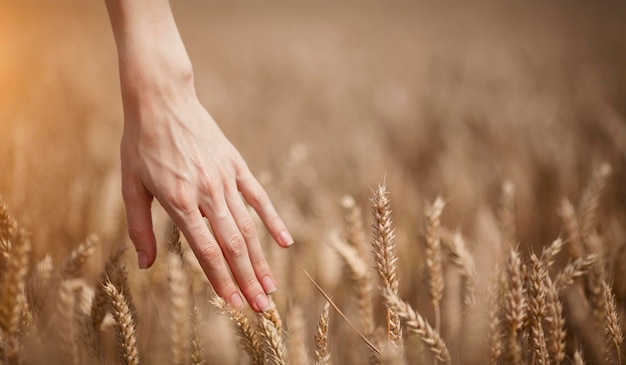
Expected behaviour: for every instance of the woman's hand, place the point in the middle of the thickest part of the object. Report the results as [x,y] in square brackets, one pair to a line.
[172,150]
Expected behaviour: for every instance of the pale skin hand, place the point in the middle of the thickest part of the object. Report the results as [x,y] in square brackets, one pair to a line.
[172,150]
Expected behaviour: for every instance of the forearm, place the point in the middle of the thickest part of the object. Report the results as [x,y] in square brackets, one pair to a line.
[151,52]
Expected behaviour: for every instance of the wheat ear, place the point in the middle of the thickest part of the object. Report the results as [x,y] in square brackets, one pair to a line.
[12,284]
[612,326]
[250,339]
[549,253]
[322,353]
[507,215]
[274,347]
[197,351]
[179,309]
[434,269]
[456,249]
[415,323]
[124,325]
[496,322]
[514,306]
[363,282]
[590,201]
[536,308]
[556,323]
[174,244]
[100,300]
[574,269]
[384,250]
[577,359]
[67,325]
[567,212]
[76,260]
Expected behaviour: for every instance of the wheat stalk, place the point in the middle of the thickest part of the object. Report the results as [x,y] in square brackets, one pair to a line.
[174,244]
[415,323]
[384,250]
[124,325]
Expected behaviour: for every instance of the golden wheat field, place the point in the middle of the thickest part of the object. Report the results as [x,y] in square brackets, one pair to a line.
[453,173]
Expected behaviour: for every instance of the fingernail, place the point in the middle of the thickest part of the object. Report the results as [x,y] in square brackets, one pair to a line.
[262,302]
[268,285]
[286,238]
[142,259]
[236,301]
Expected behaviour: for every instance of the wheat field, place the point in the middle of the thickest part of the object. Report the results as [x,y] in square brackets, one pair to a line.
[454,176]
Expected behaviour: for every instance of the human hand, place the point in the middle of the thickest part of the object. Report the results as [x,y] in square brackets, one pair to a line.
[174,151]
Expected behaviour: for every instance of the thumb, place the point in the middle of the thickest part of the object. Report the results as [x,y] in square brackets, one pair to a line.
[139,218]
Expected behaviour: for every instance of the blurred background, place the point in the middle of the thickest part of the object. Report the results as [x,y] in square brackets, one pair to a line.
[330,98]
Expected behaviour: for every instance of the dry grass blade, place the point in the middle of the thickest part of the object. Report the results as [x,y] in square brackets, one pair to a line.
[384,250]
[434,268]
[417,324]
[249,337]
[322,353]
[124,325]
[372,347]
[514,306]
[179,305]
[612,326]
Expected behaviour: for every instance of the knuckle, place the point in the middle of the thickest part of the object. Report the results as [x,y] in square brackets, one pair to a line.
[259,197]
[210,253]
[248,228]
[180,198]
[236,246]
[137,233]
[250,286]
